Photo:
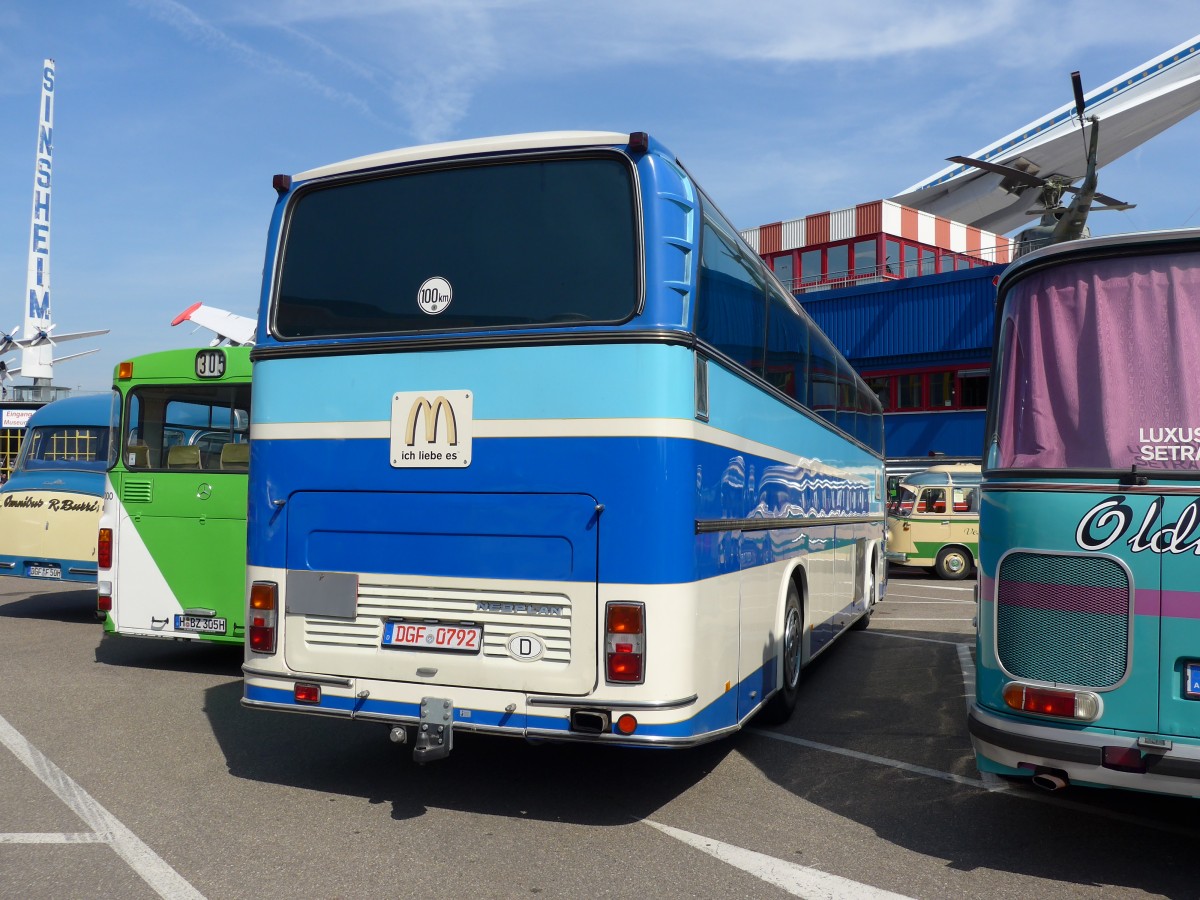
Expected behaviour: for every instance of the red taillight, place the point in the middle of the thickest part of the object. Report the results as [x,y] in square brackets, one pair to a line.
[307,693]
[103,603]
[261,619]
[627,724]
[104,548]
[1079,705]
[625,642]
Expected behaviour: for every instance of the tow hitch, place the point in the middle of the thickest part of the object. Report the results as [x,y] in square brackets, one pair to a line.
[435,733]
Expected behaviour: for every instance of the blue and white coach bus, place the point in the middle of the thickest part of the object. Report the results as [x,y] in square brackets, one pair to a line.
[1089,549]
[541,448]
[50,507]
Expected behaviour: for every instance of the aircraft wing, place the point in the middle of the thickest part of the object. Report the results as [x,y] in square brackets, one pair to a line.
[59,338]
[1132,109]
[238,330]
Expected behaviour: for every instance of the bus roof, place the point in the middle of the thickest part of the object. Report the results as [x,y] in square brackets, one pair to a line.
[1100,247]
[473,147]
[89,409]
[963,473]
[180,365]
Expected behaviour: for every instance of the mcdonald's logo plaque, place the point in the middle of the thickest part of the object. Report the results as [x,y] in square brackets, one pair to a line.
[431,429]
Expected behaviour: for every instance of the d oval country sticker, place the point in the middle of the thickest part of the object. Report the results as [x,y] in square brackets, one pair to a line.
[525,647]
[435,295]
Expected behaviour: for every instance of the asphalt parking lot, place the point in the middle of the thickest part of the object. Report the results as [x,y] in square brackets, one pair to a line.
[128,768]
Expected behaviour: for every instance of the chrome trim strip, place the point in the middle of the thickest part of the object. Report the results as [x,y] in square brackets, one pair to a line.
[627,740]
[7,565]
[77,571]
[364,346]
[1115,487]
[585,702]
[249,669]
[708,526]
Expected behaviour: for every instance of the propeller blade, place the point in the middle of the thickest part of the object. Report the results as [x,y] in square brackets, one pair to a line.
[1006,171]
[1109,202]
[1077,85]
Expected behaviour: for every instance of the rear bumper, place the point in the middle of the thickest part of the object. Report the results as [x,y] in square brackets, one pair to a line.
[1024,745]
[533,717]
[80,570]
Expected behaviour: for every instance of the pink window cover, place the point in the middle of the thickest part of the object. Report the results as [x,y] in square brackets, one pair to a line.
[1101,366]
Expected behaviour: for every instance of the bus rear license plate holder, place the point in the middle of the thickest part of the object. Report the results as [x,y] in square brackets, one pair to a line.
[200,624]
[442,637]
[45,572]
[1191,680]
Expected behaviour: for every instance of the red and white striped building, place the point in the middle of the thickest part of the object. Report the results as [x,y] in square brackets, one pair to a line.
[875,241]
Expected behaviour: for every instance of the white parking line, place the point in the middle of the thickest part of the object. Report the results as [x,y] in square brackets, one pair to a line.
[33,837]
[989,781]
[870,757]
[929,603]
[909,637]
[107,829]
[898,619]
[797,880]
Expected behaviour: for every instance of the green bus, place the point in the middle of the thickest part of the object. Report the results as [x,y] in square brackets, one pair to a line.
[172,542]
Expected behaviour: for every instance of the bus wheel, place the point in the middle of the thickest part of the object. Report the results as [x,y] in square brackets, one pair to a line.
[868,596]
[953,563]
[779,708]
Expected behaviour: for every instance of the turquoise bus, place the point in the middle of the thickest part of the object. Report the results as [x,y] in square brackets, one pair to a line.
[172,538]
[543,449]
[1089,553]
[50,506]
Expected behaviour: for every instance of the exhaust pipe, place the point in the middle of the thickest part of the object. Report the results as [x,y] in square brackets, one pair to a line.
[591,721]
[1050,779]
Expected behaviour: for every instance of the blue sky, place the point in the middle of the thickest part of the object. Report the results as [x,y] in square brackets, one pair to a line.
[172,117]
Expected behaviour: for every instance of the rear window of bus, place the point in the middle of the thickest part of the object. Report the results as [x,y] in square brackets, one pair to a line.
[533,242]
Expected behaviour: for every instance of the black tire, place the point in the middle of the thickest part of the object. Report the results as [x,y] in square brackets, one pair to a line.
[870,589]
[779,708]
[953,563]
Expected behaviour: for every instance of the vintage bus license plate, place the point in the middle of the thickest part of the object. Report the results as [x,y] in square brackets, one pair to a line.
[45,572]
[200,624]
[433,636]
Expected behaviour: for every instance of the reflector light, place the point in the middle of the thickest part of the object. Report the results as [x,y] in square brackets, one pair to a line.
[103,603]
[1082,705]
[627,724]
[104,548]
[1124,759]
[124,371]
[307,693]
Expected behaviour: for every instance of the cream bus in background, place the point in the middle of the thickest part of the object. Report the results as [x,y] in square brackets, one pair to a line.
[934,520]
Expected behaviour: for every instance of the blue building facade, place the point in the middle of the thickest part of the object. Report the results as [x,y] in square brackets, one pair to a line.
[924,345]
